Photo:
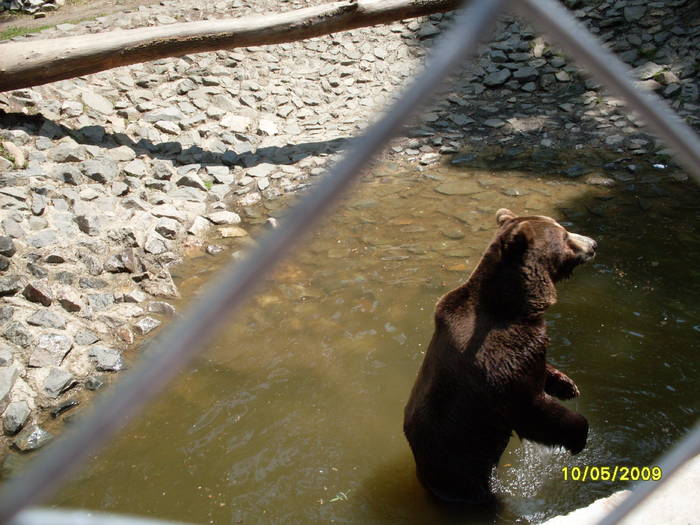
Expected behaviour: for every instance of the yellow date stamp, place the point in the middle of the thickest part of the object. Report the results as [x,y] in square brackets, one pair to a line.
[611,473]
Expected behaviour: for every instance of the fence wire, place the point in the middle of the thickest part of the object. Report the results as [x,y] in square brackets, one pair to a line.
[187,337]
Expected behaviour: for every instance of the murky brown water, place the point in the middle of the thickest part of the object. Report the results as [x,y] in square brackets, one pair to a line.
[294,415]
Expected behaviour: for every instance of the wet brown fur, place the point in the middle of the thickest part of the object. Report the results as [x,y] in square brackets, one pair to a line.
[484,374]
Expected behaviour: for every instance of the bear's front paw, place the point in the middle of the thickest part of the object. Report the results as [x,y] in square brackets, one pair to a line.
[561,386]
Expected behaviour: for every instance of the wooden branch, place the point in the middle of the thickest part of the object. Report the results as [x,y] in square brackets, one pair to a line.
[35,62]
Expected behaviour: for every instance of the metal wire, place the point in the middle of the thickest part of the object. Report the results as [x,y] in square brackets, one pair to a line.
[81,517]
[189,335]
[567,32]
[687,449]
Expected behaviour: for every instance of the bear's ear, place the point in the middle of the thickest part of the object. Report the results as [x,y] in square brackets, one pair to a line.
[504,215]
[519,240]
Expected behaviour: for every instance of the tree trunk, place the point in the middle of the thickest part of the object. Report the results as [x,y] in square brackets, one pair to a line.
[35,62]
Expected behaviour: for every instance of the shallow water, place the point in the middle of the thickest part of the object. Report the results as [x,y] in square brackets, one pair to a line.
[294,415]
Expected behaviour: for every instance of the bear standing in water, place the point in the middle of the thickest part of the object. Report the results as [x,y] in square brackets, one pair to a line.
[484,373]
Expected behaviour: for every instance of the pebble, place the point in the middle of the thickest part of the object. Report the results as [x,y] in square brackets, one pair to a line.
[31,438]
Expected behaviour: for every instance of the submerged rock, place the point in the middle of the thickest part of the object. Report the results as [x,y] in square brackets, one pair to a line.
[32,438]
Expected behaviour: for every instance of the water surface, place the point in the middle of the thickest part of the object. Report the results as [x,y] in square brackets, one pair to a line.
[294,414]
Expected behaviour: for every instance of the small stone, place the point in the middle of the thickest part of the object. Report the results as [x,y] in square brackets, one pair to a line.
[124,261]
[107,359]
[38,292]
[63,407]
[134,296]
[32,438]
[192,180]
[146,325]
[69,299]
[224,217]
[100,170]
[6,357]
[85,337]
[160,307]
[261,170]
[634,13]
[236,123]
[267,127]
[47,319]
[7,246]
[10,285]
[497,78]
[494,123]
[125,334]
[168,127]
[232,231]
[94,383]
[135,168]
[121,154]
[8,376]
[100,301]
[168,228]
[18,334]
[89,224]
[562,76]
[525,74]
[57,382]
[97,102]
[43,238]
[50,350]
[15,417]
[199,226]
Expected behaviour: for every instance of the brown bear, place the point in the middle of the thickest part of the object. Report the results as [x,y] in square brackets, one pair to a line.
[484,374]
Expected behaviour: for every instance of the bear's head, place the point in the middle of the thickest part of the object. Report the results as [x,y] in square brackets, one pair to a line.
[535,252]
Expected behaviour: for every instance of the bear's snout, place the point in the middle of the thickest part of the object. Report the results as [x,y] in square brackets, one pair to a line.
[584,246]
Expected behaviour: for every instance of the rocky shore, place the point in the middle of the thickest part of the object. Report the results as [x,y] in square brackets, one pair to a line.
[106,180]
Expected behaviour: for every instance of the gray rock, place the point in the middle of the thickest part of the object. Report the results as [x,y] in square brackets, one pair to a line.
[224,217]
[192,180]
[13,228]
[135,168]
[4,263]
[146,325]
[32,438]
[37,271]
[6,357]
[50,350]
[47,319]
[7,246]
[497,78]
[647,70]
[97,102]
[107,359]
[69,299]
[85,337]
[38,204]
[94,383]
[634,13]
[15,417]
[160,307]
[68,174]
[168,127]
[89,224]
[525,74]
[43,238]
[124,261]
[18,334]
[38,292]
[171,114]
[168,228]
[10,285]
[121,154]
[100,170]
[67,153]
[8,376]
[100,301]
[57,382]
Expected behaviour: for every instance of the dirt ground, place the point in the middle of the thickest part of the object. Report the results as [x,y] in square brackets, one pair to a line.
[72,11]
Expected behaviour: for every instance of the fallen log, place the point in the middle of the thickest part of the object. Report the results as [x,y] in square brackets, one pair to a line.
[35,62]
